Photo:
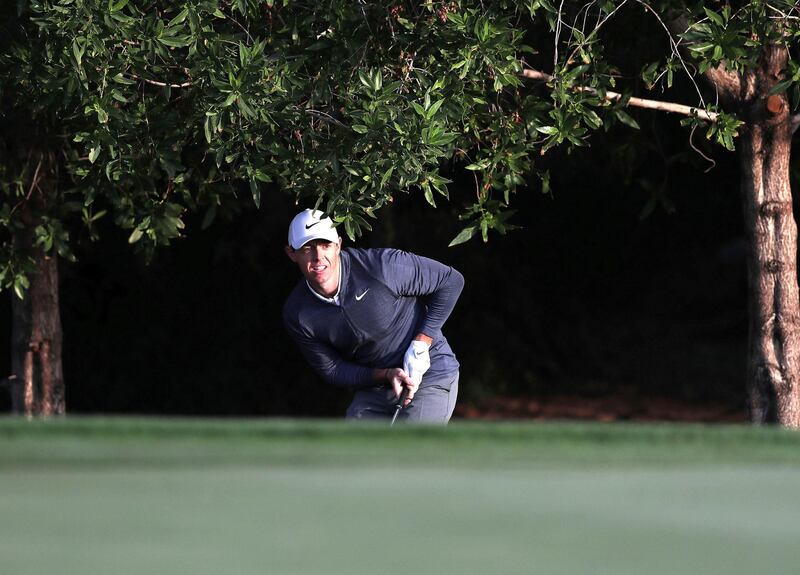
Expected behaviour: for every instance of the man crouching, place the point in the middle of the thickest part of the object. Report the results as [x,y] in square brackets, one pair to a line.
[371,319]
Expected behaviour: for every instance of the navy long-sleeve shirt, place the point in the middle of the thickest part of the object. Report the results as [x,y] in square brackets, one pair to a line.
[386,297]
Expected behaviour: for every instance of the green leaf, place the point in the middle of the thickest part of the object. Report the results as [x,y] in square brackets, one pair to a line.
[256,192]
[117,6]
[348,228]
[360,128]
[477,167]
[781,87]
[386,175]
[429,195]
[700,48]
[626,119]
[120,79]
[434,108]
[716,18]
[93,153]
[464,236]
[176,41]
[592,119]
[262,177]
[78,51]
[245,108]
[179,18]
[207,129]
[102,115]
[110,170]
[135,236]
[230,99]
[362,76]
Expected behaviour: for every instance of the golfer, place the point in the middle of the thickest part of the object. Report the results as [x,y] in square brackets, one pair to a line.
[371,320]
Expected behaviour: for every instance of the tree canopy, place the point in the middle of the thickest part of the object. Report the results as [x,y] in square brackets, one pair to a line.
[140,111]
[156,107]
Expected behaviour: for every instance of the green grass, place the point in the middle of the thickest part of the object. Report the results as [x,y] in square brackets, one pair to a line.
[187,496]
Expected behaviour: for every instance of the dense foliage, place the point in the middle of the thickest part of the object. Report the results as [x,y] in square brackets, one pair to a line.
[156,107]
[146,109]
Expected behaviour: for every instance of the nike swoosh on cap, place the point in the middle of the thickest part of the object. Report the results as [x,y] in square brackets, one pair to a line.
[309,226]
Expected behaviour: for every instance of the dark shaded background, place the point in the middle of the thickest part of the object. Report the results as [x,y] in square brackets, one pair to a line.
[591,298]
[629,280]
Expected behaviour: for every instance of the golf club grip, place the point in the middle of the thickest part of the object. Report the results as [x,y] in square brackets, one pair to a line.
[402,399]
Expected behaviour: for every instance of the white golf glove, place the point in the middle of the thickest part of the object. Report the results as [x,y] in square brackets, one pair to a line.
[417,360]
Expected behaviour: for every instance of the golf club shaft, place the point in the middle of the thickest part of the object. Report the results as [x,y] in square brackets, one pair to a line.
[399,405]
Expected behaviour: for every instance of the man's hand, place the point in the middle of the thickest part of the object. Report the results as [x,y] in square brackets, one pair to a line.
[417,360]
[398,379]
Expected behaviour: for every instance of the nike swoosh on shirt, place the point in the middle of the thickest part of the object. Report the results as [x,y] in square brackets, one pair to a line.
[308,226]
[358,297]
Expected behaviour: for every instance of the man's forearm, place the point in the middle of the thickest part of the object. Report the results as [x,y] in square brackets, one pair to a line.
[441,302]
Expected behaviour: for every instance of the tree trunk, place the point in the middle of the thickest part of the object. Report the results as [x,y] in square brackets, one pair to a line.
[36,335]
[774,338]
[36,344]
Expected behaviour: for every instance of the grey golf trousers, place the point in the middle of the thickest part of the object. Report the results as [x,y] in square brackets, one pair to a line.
[433,403]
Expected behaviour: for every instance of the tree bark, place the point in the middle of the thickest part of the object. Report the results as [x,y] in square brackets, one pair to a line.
[36,335]
[36,344]
[774,335]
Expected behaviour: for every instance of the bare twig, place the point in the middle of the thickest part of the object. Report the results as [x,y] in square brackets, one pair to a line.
[366,20]
[635,102]
[162,84]
[557,35]
[675,50]
[34,185]
[35,180]
[725,83]
[601,22]
[598,26]
[325,117]
[239,24]
[782,15]
[696,149]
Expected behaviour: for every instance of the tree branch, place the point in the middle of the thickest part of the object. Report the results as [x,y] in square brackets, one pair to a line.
[674,45]
[325,117]
[635,102]
[726,83]
[162,84]
[34,185]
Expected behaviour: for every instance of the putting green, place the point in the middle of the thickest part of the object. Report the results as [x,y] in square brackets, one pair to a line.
[136,496]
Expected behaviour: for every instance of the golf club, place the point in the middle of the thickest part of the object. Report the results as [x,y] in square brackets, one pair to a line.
[399,405]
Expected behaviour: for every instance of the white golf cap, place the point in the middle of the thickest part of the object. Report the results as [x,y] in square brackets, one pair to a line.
[311,225]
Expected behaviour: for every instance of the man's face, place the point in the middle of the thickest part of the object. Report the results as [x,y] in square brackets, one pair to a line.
[318,261]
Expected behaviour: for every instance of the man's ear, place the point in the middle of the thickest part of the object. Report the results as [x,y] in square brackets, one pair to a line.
[290,253]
